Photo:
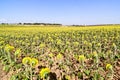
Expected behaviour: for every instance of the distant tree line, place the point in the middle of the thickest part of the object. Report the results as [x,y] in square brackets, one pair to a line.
[4,23]
[31,24]
[94,25]
[56,24]
[40,24]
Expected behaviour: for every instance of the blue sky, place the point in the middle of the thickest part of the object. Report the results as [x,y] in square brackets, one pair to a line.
[61,11]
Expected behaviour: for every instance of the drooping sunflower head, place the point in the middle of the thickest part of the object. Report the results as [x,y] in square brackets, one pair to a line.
[98,44]
[59,56]
[9,48]
[26,60]
[108,66]
[76,43]
[44,72]
[2,42]
[114,45]
[67,77]
[18,52]
[95,54]
[67,42]
[51,55]
[59,42]
[90,44]
[42,45]
[81,58]
[85,42]
[34,62]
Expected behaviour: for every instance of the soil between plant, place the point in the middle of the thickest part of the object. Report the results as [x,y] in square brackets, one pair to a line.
[3,74]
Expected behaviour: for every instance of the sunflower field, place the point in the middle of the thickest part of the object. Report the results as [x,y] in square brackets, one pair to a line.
[60,53]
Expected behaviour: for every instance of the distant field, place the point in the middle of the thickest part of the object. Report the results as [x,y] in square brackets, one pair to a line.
[60,53]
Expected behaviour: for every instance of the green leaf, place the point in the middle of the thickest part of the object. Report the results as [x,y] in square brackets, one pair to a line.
[87,72]
[6,68]
[13,77]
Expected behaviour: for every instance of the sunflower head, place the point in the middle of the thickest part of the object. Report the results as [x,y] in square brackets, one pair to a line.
[109,52]
[2,42]
[114,45]
[42,45]
[67,42]
[76,43]
[98,44]
[34,62]
[90,44]
[108,66]
[67,77]
[59,42]
[95,54]
[44,72]
[1,47]
[51,55]
[26,60]
[59,56]
[93,42]
[18,52]
[9,48]
[85,42]
[81,58]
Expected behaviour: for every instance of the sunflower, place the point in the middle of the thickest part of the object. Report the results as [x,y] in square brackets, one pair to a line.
[108,66]
[44,72]
[18,52]
[42,45]
[26,60]
[67,77]
[51,55]
[9,48]
[95,54]
[114,45]
[81,58]
[59,56]
[34,62]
